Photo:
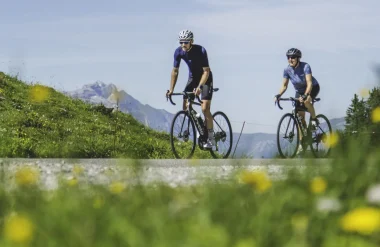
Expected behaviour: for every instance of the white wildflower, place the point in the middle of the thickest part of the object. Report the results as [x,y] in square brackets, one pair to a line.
[328,204]
[373,194]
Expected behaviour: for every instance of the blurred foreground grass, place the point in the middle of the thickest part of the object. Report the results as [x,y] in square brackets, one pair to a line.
[314,207]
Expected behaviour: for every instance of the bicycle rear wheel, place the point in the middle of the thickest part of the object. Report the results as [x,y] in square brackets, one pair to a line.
[223,136]
[319,134]
[288,136]
[182,136]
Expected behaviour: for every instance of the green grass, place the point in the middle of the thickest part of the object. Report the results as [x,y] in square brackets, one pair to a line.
[253,212]
[61,127]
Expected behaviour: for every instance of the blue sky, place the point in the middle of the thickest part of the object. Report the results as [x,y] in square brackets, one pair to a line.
[131,44]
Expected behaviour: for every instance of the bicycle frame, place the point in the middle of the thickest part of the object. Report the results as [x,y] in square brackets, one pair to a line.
[189,110]
[305,131]
[201,127]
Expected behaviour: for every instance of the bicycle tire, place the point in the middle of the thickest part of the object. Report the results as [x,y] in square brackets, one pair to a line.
[314,150]
[281,152]
[175,150]
[227,153]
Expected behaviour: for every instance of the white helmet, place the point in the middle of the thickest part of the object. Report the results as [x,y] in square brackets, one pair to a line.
[186,35]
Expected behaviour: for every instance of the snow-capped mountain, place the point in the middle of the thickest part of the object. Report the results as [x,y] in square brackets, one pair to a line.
[257,145]
[99,92]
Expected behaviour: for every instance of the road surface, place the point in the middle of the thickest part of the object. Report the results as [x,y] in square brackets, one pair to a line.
[170,171]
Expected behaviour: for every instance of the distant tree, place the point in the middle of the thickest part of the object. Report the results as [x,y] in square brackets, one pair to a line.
[374,102]
[357,116]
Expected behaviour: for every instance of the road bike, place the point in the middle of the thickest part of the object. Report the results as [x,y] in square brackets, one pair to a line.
[188,128]
[313,135]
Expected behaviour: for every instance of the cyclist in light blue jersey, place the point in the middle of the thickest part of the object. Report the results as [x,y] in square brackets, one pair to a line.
[306,86]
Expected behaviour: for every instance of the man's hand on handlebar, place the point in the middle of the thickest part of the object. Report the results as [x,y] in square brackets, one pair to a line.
[168,93]
[197,91]
[277,96]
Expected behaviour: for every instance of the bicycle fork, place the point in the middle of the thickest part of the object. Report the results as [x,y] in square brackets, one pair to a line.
[186,133]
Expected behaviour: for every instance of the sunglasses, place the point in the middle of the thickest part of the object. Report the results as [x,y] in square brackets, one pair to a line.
[292,57]
[184,42]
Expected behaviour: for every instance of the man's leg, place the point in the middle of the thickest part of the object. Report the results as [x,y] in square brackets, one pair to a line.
[206,106]
[206,109]
[188,88]
[184,106]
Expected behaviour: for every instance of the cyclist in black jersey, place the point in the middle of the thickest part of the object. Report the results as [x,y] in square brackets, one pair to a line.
[200,76]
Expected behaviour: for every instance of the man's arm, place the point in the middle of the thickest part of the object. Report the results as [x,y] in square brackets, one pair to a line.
[175,70]
[205,75]
[174,77]
[206,68]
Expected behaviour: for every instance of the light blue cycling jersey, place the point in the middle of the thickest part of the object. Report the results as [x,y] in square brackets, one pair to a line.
[297,76]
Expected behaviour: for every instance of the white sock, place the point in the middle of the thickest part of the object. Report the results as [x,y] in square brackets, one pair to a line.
[210,134]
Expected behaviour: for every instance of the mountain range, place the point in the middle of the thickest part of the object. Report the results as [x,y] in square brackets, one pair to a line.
[257,145]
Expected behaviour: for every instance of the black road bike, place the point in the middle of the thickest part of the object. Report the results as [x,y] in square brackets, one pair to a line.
[188,127]
[290,129]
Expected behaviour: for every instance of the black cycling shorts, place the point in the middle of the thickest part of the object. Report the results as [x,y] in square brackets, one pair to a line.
[207,89]
[314,92]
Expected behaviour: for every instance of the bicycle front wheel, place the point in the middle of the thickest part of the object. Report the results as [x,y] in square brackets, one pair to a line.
[319,135]
[288,136]
[182,136]
[223,136]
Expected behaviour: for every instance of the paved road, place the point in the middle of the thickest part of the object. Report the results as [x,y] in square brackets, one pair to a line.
[172,172]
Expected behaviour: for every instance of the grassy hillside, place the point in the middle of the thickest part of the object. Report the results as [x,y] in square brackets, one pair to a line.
[40,122]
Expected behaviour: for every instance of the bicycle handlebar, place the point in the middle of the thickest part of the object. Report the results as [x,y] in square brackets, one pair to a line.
[186,94]
[291,99]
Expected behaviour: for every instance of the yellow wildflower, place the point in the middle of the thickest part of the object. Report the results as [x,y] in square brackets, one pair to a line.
[27,176]
[365,220]
[318,185]
[376,115]
[116,187]
[299,222]
[39,93]
[77,169]
[331,140]
[18,229]
[258,179]
[72,181]
[364,93]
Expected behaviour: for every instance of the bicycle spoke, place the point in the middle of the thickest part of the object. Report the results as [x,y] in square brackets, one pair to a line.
[182,136]
[318,145]
[287,139]
[223,136]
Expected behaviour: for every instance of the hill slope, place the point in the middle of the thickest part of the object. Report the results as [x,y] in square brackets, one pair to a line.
[38,121]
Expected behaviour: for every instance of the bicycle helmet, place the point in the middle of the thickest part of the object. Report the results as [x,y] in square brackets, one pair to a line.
[186,35]
[294,52]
